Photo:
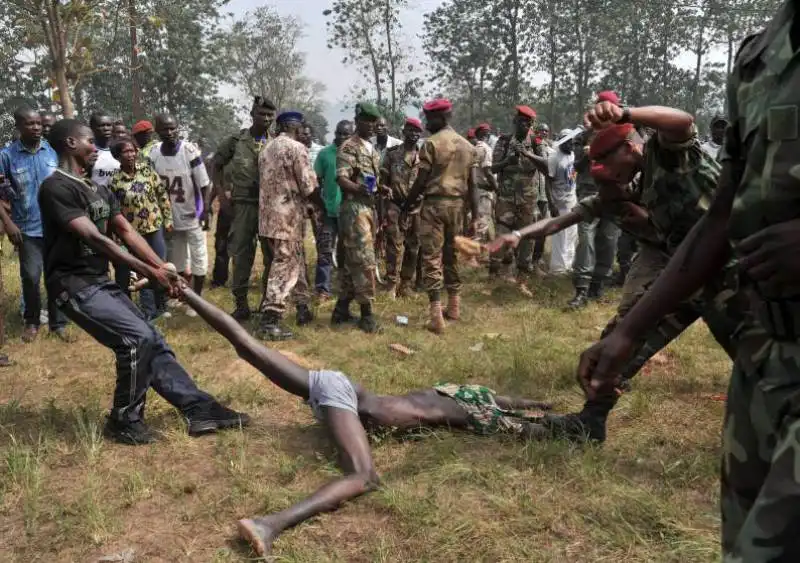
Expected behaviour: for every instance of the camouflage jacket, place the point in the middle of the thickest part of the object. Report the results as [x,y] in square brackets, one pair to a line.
[352,155]
[238,155]
[400,167]
[448,158]
[676,186]
[521,177]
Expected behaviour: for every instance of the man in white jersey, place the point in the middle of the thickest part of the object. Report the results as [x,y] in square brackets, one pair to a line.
[102,126]
[181,168]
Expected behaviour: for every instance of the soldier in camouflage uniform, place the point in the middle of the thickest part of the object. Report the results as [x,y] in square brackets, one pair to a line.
[542,139]
[398,172]
[236,161]
[445,179]
[357,173]
[518,190]
[756,213]
[286,182]
[676,185]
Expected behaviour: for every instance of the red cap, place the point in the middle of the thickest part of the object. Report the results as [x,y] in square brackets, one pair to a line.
[414,122]
[609,139]
[483,127]
[471,134]
[439,104]
[526,112]
[608,96]
[142,126]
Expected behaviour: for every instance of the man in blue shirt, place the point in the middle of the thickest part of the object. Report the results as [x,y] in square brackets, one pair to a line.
[26,163]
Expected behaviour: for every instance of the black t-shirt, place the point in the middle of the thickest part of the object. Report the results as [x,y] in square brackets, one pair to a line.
[70,263]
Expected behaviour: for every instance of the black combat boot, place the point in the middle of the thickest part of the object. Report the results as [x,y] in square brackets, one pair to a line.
[270,327]
[596,290]
[580,300]
[242,311]
[304,315]
[589,425]
[341,313]
[368,323]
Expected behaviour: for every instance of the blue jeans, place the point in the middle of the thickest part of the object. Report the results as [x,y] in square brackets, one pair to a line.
[143,357]
[327,235]
[31,265]
[152,301]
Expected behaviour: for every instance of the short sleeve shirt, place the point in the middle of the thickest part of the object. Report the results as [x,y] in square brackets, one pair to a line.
[142,198]
[183,175]
[401,168]
[70,264]
[104,167]
[448,158]
[354,154]
[561,169]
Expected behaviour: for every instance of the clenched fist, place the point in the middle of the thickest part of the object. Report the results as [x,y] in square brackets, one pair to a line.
[602,115]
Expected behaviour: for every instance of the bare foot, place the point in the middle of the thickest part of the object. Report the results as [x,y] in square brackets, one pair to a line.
[258,534]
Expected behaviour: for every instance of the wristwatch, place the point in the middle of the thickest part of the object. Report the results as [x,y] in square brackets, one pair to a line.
[626,116]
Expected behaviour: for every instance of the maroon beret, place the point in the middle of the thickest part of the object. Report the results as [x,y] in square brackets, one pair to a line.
[439,104]
[414,122]
[483,127]
[525,111]
[609,139]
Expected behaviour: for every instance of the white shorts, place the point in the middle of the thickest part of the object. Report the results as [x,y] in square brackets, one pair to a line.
[330,389]
[186,246]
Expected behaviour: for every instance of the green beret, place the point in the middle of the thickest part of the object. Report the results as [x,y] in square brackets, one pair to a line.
[367,110]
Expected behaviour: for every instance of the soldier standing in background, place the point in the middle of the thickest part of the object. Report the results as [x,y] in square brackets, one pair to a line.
[485,182]
[398,172]
[517,193]
[545,145]
[286,181]
[445,179]
[236,165]
[358,165]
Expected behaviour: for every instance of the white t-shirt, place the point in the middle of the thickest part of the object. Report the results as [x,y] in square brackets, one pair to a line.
[104,167]
[711,148]
[562,173]
[183,175]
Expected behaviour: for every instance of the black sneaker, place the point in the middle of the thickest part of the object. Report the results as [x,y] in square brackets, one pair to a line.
[129,433]
[242,311]
[210,417]
[574,427]
[579,301]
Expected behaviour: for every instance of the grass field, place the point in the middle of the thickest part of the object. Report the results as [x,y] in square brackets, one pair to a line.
[649,494]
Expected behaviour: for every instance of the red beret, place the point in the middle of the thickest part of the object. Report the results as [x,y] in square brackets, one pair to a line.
[142,126]
[609,139]
[439,104]
[525,111]
[414,122]
[608,96]
[483,127]
[470,133]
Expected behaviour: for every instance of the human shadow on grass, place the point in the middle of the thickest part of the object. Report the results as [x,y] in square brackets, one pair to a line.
[27,425]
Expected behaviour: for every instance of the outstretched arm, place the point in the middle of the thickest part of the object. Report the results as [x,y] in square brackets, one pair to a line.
[543,228]
[275,366]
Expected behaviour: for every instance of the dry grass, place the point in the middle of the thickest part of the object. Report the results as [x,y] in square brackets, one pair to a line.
[649,494]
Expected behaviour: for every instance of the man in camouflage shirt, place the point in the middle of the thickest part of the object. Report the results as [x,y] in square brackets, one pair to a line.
[676,185]
[757,214]
[357,173]
[518,190]
[445,179]
[485,182]
[398,172]
[236,162]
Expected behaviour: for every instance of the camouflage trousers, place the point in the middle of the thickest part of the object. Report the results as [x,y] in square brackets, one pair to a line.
[357,232]
[486,229]
[514,212]
[285,275]
[760,484]
[402,247]
[441,220]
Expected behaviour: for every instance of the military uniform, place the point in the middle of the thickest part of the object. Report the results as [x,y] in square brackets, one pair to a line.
[357,222]
[486,196]
[760,494]
[542,207]
[448,158]
[402,248]
[286,182]
[239,155]
[518,191]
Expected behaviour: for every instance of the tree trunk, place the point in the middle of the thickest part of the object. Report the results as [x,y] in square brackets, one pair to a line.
[552,68]
[57,46]
[136,91]
[387,15]
[376,69]
[699,60]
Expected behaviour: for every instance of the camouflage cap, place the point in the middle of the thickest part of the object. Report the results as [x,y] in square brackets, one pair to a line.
[367,110]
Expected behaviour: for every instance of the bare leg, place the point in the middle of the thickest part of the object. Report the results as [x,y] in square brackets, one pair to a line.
[520,403]
[275,366]
[356,461]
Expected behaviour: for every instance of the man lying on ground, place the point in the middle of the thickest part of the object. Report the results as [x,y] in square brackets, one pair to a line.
[346,408]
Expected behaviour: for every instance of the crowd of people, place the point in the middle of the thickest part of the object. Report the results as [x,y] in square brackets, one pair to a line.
[715,226]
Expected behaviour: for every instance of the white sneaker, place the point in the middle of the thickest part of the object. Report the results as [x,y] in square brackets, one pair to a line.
[191,312]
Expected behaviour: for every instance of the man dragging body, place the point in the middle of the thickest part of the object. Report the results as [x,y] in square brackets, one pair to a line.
[346,408]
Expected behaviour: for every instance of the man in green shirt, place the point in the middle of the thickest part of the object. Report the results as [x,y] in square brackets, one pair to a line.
[325,167]
[236,161]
